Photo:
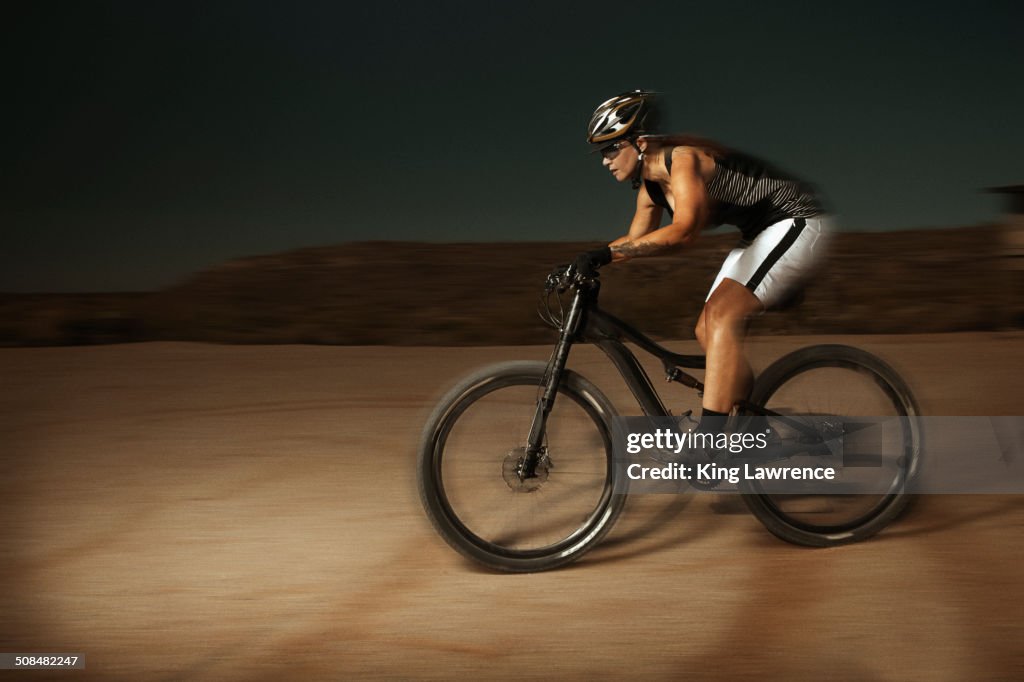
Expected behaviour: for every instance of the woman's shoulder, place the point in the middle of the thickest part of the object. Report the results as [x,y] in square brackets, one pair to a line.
[689,144]
[695,159]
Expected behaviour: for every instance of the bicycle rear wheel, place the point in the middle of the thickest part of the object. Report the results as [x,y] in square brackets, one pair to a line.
[836,380]
[467,470]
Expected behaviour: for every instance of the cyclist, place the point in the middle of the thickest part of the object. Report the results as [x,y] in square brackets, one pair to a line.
[702,184]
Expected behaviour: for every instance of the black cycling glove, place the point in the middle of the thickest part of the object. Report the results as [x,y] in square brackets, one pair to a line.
[588,262]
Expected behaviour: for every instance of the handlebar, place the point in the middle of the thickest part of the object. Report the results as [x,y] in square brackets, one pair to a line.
[565,277]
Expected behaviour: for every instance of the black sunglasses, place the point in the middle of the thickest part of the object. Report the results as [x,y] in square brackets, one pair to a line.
[610,151]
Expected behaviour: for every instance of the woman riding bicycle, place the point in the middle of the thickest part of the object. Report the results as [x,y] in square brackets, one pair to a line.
[702,185]
[510,431]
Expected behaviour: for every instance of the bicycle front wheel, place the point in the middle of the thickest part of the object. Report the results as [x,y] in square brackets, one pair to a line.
[840,381]
[468,464]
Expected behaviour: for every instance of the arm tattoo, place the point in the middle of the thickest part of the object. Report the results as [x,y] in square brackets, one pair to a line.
[633,249]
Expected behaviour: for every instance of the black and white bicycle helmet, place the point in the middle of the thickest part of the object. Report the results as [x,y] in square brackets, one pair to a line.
[627,115]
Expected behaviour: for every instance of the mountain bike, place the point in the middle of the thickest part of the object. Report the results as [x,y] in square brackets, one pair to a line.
[516,468]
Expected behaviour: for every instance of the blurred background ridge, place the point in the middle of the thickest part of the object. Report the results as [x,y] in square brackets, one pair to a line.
[407,293]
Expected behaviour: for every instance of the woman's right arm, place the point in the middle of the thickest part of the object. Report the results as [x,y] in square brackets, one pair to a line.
[646,219]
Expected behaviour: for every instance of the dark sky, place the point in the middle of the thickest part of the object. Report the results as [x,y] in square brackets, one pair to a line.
[145,141]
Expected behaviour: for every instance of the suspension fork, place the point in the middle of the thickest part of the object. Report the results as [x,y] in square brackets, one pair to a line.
[535,441]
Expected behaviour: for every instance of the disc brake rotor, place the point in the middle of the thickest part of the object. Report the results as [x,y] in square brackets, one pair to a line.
[513,465]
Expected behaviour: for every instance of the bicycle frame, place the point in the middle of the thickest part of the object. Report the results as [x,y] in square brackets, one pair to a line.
[588,323]
[606,332]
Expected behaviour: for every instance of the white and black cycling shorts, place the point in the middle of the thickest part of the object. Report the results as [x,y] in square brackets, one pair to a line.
[777,260]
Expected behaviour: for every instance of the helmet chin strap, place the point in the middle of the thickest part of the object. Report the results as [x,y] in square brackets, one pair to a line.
[638,173]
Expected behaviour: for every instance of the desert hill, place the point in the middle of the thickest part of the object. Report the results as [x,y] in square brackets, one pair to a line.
[403,293]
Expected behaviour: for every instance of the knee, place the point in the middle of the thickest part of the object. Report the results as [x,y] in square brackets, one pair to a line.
[698,331]
[719,318]
[715,315]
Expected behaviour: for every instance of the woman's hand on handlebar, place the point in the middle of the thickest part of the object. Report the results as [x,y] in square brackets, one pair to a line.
[588,262]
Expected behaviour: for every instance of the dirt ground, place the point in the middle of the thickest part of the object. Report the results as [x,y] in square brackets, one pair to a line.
[187,511]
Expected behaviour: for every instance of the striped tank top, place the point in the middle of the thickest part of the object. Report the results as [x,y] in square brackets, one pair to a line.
[748,193]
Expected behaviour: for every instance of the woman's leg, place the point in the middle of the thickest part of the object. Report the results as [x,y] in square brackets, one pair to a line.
[752,276]
[720,331]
